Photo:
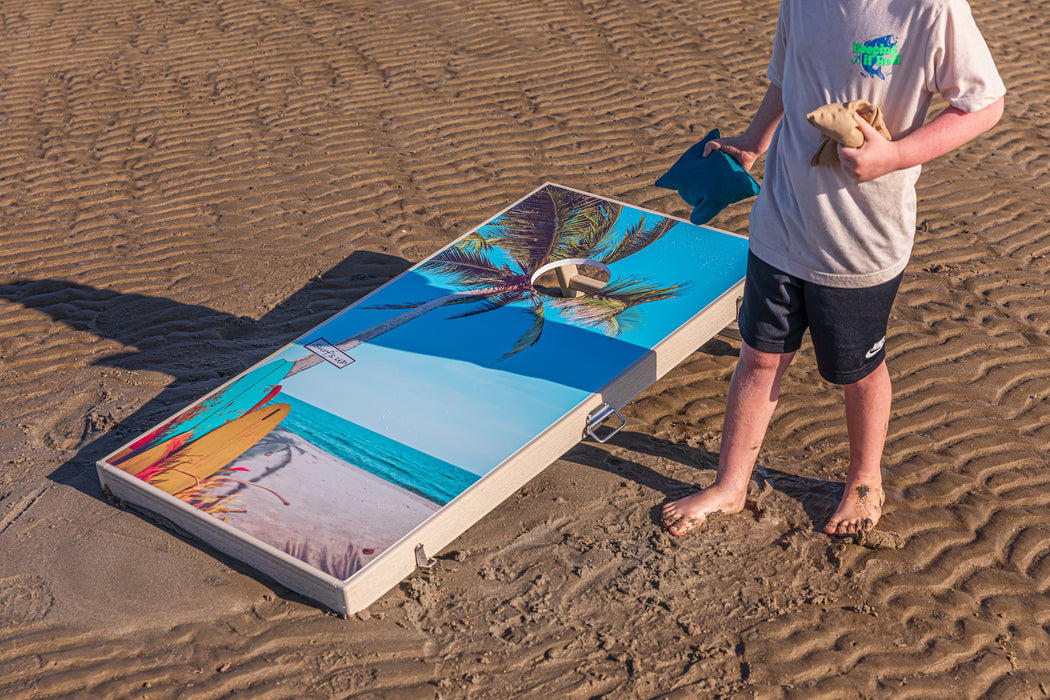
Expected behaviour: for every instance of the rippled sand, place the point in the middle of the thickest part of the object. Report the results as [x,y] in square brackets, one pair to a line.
[185,187]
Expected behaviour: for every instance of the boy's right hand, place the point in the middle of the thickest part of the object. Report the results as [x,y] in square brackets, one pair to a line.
[735,147]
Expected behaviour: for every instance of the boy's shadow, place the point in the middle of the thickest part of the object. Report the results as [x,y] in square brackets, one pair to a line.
[200,346]
[818,497]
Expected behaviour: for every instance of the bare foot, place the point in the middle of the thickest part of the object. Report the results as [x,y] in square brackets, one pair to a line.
[681,516]
[859,510]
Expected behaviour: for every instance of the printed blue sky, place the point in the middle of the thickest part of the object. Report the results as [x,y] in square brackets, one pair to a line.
[437,384]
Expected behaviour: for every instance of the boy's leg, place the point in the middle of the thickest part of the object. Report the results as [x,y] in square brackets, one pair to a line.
[867,419]
[753,394]
[848,328]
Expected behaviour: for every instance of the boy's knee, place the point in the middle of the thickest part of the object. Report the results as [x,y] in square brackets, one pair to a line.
[757,362]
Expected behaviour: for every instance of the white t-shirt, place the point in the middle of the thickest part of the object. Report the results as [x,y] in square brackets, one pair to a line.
[816,222]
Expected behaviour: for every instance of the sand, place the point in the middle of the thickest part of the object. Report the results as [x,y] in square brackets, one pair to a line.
[185,187]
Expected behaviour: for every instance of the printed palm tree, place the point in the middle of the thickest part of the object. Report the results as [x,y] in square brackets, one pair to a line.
[552,225]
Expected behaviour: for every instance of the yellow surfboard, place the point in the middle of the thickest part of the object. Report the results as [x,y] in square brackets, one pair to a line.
[200,459]
[137,463]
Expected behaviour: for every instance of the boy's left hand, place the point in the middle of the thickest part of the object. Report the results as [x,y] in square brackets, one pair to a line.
[875,158]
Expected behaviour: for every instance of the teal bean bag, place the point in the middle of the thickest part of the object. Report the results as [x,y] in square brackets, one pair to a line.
[709,184]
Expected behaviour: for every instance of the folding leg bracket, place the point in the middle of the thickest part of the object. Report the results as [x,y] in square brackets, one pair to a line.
[422,560]
[596,419]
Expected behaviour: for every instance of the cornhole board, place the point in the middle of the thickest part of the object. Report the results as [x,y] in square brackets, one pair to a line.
[342,462]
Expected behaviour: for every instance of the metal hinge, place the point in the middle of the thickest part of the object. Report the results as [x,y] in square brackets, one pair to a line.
[732,331]
[601,415]
[422,560]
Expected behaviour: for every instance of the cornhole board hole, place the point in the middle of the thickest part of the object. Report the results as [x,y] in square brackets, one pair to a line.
[347,459]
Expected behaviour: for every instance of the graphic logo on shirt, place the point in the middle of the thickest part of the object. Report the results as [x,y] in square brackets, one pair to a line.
[875,55]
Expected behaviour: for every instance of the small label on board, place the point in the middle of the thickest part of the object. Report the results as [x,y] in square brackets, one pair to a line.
[329,353]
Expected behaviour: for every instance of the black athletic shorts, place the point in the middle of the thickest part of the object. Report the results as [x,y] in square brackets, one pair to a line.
[847,326]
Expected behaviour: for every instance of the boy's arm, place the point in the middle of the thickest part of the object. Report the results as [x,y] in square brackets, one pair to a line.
[943,134]
[747,147]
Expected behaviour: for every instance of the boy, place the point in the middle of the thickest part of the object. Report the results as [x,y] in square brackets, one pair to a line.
[828,244]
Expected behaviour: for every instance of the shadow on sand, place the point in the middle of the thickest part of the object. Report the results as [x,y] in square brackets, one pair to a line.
[201,347]
[818,497]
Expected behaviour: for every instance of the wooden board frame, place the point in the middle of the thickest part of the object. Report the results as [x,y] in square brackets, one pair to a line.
[399,560]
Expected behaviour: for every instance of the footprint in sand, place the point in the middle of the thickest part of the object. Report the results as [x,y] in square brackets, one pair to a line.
[24,599]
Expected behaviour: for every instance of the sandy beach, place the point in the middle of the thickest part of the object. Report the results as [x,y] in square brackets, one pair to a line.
[186,187]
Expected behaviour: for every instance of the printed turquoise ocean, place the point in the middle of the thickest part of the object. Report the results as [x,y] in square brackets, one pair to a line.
[415,471]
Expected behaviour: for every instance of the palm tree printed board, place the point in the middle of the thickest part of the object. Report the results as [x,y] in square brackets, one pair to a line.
[376,426]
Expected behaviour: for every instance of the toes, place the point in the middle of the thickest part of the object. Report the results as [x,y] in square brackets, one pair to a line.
[840,527]
[680,527]
[670,516]
[849,527]
[834,527]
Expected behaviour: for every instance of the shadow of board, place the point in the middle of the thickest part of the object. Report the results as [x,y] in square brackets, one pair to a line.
[200,346]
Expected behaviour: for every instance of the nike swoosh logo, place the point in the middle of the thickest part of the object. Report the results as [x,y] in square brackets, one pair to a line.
[875,348]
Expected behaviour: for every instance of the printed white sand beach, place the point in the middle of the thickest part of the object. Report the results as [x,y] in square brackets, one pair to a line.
[319,508]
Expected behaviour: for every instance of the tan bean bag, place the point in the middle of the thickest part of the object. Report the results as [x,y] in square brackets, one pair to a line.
[835,121]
